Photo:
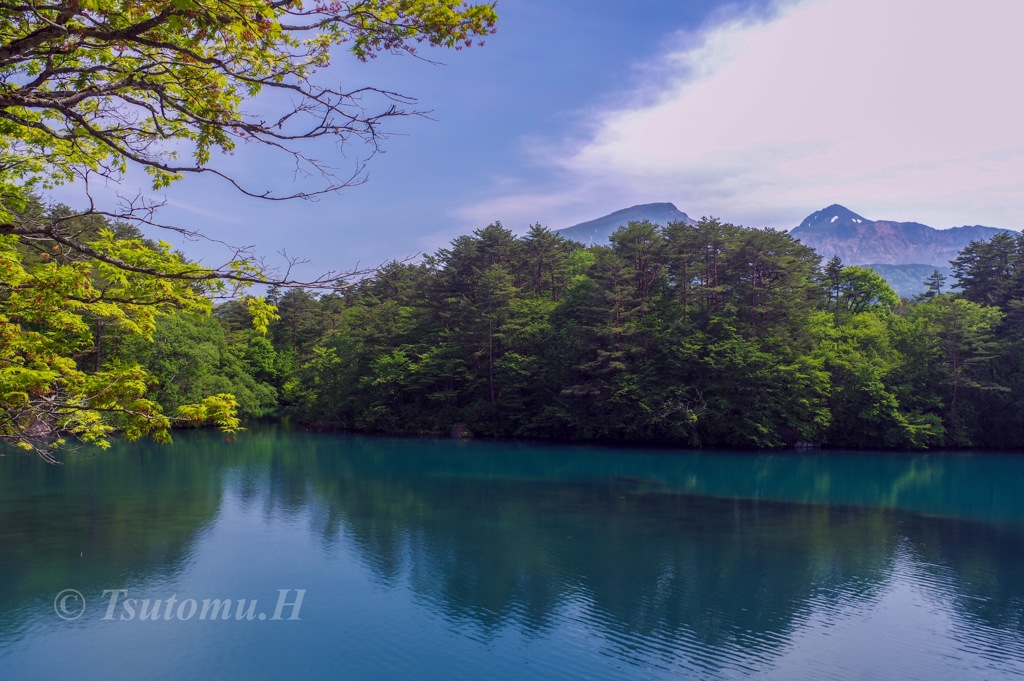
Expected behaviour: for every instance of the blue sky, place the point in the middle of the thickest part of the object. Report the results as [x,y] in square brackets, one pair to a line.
[757,112]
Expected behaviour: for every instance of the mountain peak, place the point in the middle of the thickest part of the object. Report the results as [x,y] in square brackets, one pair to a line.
[597,231]
[835,216]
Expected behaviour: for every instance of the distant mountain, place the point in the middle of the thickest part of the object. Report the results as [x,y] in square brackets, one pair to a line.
[597,231]
[905,253]
[859,241]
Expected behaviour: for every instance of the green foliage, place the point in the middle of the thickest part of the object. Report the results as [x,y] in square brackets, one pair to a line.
[863,289]
[62,316]
[89,89]
[992,272]
[866,410]
[959,351]
[190,358]
[853,289]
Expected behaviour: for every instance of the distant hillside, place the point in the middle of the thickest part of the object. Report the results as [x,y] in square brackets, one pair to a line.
[859,241]
[597,231]
[908,280]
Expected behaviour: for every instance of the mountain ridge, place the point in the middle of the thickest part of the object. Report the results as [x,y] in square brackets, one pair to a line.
[836,230]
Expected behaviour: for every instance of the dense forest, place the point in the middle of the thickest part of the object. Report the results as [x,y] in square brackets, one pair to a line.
[706,335]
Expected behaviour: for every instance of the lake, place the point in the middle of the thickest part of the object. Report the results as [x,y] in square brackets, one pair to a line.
[342,557]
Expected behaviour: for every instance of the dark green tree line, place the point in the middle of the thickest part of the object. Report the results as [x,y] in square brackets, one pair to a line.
[702,335]
[692,335]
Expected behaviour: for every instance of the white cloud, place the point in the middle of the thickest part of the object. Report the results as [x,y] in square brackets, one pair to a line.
[900,109]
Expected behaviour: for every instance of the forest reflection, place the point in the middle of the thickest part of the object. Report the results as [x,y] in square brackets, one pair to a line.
[721,554]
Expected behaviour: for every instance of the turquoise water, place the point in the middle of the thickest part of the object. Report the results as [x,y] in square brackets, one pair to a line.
[472,560]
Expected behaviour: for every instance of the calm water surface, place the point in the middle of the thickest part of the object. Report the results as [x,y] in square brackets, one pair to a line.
[455,560]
